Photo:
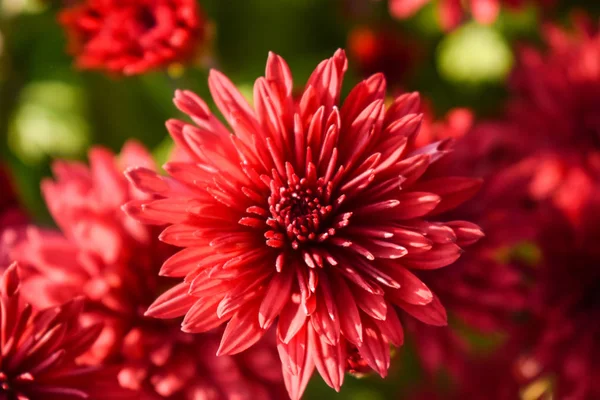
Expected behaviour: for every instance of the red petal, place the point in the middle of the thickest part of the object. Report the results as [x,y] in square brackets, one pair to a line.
[415,204]
[453,191]
[375,349]
[203,317]
[439,256]
[391,328]
[411,290]
[184,261]
[173,303]
[146,180]
[291,320]
[432,313]
[467,233]
[241,332]
[278,294]
[329,360]
[350,324]
[296,362]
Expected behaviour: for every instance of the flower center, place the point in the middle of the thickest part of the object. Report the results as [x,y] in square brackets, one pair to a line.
[299,211]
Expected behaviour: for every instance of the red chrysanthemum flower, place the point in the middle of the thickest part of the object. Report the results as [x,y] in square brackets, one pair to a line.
[133,36]
[39,348]
[451,12]
[12,217]
[309,216]
[113,262]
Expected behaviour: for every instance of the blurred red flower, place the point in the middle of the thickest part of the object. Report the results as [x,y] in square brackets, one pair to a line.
[490,376]
[487,272]
[383,50]
[39,349]
[451,12]
[12,217]
[113,261]
[554,107]
[133,36]
[311,213]
[565,305]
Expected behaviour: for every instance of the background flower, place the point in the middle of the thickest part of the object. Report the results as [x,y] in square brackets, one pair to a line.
[113,261]
[40,347]
[12,217]
[133,36]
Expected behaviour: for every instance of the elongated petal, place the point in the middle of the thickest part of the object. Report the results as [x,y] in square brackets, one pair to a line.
[173,303]
[241,332]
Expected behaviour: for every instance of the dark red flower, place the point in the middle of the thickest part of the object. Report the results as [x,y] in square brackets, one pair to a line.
[39,351]
[113,262]
[452,12]
[565,304]
[555,92]
[554,110]
[493,376]
[310,216]
[488,272]
[133,36]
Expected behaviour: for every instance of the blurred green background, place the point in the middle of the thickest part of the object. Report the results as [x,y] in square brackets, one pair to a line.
[50,110]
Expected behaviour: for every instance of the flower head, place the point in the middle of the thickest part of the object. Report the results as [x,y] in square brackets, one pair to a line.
[112,261]
[309,216]
[39,350]
[133,36]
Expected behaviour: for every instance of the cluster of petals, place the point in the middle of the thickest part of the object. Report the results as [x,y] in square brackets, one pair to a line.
[452,12]
[305,215]
[133,36]
[112,262]
[39,350]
